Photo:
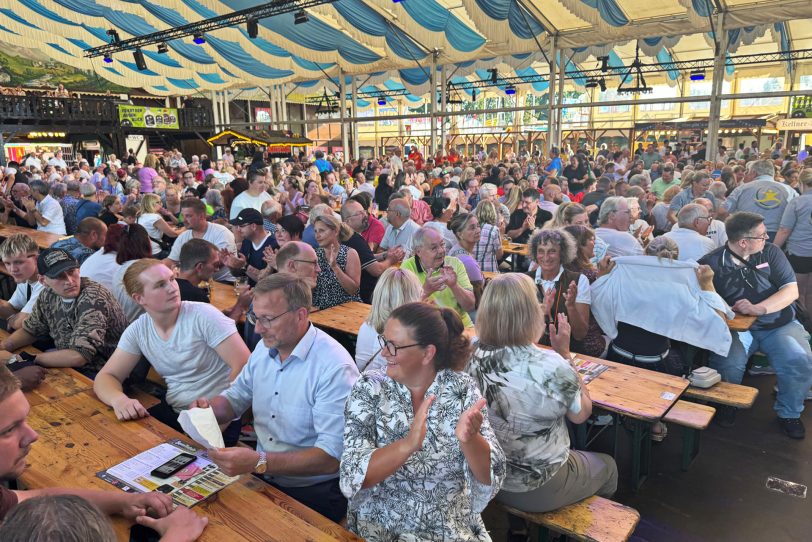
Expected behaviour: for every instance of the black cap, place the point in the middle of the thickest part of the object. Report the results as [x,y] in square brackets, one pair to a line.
[52,262]
[247,216]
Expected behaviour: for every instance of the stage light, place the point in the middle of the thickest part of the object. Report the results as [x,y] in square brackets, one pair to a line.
[604,63]
[113,33]
[473,94]
[108,59]
[697,75]
[198,38]
[163,48]
[138,56]
[510,90]
[602,84]
[494,75]
[381,101]
[300,17]
[252,27]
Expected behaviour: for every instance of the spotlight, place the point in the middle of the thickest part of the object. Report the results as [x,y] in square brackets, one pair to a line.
[602,84]
[510,90]
[163,48]
[494,75]
[473,94]
[252,27]
[381,101]
[697,75]
[108,59]
[604,63]
[591,83]
[300,17]
[198,38]
[138,56]
[113,33]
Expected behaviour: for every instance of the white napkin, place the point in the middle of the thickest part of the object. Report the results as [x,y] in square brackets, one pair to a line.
[201,425]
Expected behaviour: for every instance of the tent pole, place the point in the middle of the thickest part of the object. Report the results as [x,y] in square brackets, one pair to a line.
[712,147]
[443,106]
[342,110]
[354,124]
[433,106]
[551,96]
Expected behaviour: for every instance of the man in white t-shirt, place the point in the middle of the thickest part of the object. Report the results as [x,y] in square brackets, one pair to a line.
[193,346]
[194,216]
[693,220]
[43,211]
[613,219]
[19,254]
[253,197]
[716,231]
[57,161]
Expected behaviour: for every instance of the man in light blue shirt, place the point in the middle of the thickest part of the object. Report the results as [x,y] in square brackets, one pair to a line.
[297,381]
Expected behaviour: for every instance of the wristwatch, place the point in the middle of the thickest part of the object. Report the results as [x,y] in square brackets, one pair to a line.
[13,359]
[262,464]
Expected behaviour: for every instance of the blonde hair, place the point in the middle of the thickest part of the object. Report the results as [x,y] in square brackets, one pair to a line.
[509,313]
[669,194]
[513,198]
[151,161]
[343,230]
[8,383]
[395,287]
[149,203]
[132,277]
[19,243]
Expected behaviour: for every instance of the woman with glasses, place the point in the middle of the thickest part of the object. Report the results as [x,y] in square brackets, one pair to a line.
[531,393]
[193,346]
[420,459]
[395,287]
[340,267]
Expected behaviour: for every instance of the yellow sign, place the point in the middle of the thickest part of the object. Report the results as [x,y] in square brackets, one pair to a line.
[795,124]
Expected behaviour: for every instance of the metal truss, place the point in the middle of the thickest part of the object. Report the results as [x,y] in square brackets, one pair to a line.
[276,7]
[682,66]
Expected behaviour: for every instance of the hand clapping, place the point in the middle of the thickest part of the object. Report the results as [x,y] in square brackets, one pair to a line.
[417,432]
[470,421]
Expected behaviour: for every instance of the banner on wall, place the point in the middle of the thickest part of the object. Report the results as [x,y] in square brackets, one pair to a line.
[262,114]
[139,116]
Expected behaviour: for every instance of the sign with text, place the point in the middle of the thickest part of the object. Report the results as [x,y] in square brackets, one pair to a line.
[799,124]
[139,116]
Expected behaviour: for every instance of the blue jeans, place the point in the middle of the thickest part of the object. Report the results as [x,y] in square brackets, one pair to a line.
[787,348]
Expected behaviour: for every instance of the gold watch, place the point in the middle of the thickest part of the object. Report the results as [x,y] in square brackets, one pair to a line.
[262,464]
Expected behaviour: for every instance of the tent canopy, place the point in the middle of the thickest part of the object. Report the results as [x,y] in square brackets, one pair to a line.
[394,42]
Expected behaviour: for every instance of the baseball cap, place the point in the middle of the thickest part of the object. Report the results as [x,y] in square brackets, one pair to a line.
[247,216]
[52,262]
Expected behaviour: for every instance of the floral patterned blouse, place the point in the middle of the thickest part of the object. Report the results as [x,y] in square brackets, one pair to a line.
[529,391]
[434,495]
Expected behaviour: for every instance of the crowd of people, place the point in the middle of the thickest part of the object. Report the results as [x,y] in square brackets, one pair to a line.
[632,256]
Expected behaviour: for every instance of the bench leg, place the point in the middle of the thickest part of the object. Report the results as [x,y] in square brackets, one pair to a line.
[690,446]
[641,452]
[545,534]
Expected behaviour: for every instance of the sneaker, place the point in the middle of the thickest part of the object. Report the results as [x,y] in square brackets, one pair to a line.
[725,416]
[808,393]
[758,370]
[793,427]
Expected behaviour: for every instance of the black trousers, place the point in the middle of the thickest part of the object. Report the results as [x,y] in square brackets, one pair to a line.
[325,498]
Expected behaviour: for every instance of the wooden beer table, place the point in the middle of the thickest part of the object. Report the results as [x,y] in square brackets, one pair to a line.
[80,436]
[42,238]
[741,322]
[516,249]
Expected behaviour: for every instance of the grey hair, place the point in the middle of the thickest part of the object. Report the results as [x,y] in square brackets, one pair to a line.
[419,237]
[56,517]
[638,180]
[689,213]
[318,210]
[663,247]
[270,207]
[609,206]
[401,208]
[806,177]
[763,167]
[563,239]
[487,188]
[72,186]
[532,177]
[58,190]
[718,189]
[214,197]
[87,189]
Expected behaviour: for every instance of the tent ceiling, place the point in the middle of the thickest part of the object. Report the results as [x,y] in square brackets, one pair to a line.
[393,42]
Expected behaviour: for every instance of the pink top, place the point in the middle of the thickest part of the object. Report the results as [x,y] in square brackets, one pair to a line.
[145,176]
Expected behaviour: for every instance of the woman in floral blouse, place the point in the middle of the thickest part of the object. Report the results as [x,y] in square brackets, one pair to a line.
[420,460]
[531,393]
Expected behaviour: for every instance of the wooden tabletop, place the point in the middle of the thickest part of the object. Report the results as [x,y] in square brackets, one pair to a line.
[346,318]
[222,295]
[79,436]
[741,322]
[42,238]
[515,248]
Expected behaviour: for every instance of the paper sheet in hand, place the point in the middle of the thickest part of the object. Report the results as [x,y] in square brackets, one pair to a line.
[201,425]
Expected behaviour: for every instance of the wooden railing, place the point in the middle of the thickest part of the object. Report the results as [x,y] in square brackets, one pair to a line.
[41,111]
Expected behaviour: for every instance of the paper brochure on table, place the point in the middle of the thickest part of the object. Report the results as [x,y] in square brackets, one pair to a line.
[589,370]
[189,486]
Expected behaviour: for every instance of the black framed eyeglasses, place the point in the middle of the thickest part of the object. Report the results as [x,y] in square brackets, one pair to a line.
[266,321]
[391,348]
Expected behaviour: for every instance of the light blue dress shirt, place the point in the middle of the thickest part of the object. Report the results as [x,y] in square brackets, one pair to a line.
[298,403]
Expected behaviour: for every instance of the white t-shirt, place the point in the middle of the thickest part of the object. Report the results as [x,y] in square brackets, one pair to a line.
[247,201]
[100,267]
[366,347]
[187,361]
[219,236]
[620,243]
[50,210]
[692,245]
[148,221]
[583,296]
[716,233]
[20,299]
[132,310]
